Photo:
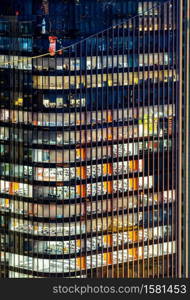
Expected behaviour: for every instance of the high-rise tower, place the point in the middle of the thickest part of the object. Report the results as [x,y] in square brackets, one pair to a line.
[93,120]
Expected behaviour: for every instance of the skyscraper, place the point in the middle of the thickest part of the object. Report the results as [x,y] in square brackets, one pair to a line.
[93,120]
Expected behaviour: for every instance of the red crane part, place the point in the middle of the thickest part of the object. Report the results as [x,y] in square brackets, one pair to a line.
[52,45]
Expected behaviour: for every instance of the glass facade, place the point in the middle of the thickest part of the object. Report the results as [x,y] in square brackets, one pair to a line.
[89,139]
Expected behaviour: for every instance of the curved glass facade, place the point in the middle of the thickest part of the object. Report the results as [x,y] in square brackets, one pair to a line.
[88,137]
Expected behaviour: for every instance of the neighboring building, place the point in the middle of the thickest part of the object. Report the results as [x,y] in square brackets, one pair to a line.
[91,138]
